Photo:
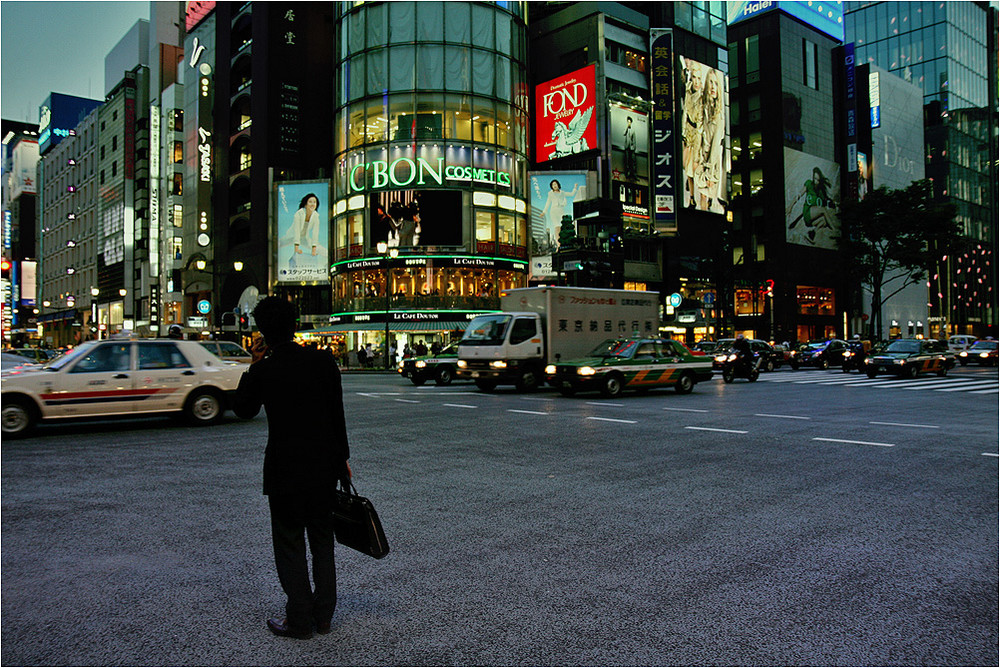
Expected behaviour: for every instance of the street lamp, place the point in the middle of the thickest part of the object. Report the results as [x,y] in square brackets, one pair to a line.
[388,254]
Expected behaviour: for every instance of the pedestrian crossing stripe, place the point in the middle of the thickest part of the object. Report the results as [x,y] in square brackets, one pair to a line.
[937,384]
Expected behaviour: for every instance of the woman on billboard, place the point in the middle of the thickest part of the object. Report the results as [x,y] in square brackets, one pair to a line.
[692,116]
[555,208]
[708,164]
[305,226]
[818,208]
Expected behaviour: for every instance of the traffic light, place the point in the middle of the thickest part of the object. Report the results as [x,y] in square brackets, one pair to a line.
[244,322]
[5,266]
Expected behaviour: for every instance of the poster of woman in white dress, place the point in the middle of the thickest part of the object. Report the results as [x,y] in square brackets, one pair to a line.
[303,223]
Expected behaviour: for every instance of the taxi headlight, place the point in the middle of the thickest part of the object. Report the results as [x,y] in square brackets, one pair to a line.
[899,361]
[498,364]
[586,371]
[984,355]
[461,364]
[720,358]
[868,361]
[847,353]
[550,369]
[420,364]
[963,354]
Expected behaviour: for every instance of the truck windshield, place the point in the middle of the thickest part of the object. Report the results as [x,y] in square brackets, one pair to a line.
[614,348]
[486,330]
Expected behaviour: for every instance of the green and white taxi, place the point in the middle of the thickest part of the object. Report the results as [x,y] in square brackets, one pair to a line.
[908,358]
[631,364]
[440,368]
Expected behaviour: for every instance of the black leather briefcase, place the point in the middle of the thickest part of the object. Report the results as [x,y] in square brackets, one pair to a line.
[356,524]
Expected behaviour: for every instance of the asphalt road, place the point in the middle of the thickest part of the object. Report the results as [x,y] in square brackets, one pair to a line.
[798,520]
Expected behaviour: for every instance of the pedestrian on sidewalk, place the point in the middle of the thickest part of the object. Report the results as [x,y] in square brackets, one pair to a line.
[306,454]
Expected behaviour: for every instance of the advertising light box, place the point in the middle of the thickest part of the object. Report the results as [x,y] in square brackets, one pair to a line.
[827,17]
[303,225]
[565,122]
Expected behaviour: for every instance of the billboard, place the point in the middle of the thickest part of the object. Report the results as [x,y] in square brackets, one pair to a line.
[661,52]
[704,119]
[552,197]
[302,217]
[415,218]
[812,200]
[565,123]
[827,17]
[25,161]
[629,144]
[59,115]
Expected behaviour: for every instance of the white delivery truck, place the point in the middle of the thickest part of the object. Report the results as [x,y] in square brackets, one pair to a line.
[540,326]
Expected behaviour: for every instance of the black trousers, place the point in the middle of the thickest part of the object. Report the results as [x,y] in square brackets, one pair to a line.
[292,518]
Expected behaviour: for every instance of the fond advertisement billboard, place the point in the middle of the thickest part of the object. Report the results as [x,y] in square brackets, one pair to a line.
[565,122]
[704,119]
[812,200]
[552,197]
[303,226]
[415,218]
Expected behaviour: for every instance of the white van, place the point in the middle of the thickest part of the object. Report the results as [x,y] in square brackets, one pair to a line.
[960,342]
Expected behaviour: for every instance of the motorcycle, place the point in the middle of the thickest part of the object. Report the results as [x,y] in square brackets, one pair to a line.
[854,359]
[744,367]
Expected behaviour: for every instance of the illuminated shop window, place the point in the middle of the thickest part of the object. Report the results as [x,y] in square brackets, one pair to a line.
[815,300]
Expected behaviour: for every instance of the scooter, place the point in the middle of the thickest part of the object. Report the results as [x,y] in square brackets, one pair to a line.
[734,366]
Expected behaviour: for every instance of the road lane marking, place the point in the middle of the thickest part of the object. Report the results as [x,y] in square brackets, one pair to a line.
[687,410]
[963,387]
[905,424]
[787,417]
[950,382]
[378,394]
[514,410]
[840,440]
[612,420]
[991,454]
[459,406]
[724,431]
[993,390]
[598,403]
[407,401]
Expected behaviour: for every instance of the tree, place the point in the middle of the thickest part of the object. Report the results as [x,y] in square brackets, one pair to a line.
[893,236]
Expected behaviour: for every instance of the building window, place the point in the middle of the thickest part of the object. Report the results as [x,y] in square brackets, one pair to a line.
[809,64]
[178,152]
[114,143]
[177,186]
[178,215]
[114,168]
[815,301]
[753,59]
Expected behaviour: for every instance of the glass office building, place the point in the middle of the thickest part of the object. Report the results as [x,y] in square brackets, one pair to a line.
[948,49]
[430,166]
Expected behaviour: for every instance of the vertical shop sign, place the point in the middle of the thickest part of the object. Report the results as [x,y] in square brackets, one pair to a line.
[851,121]
[662,87]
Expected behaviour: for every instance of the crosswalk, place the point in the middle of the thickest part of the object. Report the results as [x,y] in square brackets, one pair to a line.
[971,385]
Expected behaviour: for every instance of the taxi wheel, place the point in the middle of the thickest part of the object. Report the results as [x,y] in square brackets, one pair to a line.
[444,376]
[204,407]
[823,365]
[769,366]
[19,418]
[872,374]
[685,384]
[911,372]
[612,385]
[943,371]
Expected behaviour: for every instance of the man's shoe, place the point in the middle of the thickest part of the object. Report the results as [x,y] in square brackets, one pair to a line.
[279,627]
[323,627]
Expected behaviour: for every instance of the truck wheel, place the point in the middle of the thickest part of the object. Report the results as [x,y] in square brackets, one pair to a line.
[19,417]
[613,385]
[528,382]
[203,408]
[444,376]
[728,375]
[486,385]
[685,384]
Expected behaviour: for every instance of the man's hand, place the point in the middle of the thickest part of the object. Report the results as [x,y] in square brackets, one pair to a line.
[258,349]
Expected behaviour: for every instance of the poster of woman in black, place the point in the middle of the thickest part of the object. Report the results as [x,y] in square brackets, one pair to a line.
[416,218]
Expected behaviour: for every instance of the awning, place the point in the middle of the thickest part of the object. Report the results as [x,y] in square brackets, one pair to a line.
[439,326]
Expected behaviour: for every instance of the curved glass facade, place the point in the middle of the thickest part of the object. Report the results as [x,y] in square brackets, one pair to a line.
[430,159]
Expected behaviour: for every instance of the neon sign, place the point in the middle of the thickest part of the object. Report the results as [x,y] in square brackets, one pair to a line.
[407,172]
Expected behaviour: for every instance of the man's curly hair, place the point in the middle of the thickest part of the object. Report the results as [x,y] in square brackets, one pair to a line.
[276,319]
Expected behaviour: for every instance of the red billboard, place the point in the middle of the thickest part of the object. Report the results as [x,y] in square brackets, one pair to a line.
[564,115]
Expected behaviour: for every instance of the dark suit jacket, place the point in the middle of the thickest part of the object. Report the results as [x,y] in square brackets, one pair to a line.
[301,392]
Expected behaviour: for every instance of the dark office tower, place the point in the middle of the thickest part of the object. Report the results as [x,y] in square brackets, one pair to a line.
[639,219]
[257,118]
[430,169]
[787,177]
[20,196]
[949,50]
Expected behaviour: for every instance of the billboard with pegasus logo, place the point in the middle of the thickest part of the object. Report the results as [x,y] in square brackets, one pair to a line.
[564,112]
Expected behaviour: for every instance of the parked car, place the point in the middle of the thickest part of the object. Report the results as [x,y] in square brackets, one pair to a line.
[227,350]
[820,354]
[770,359]
[440,368]
[120,377]
[960,342]
[630,364]
[908,358]
[981,352]
[37,355]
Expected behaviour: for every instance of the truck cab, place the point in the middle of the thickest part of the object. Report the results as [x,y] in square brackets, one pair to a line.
[503,349]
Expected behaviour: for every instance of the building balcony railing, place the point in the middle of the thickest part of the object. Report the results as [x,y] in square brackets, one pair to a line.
[375,304]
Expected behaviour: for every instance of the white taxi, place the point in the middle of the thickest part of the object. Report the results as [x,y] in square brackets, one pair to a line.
[120,377]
